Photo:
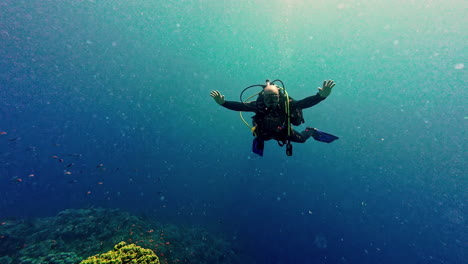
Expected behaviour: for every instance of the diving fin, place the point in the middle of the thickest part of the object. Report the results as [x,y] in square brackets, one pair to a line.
[323,137]
[257,146]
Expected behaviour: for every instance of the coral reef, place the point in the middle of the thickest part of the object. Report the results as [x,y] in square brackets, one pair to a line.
[73,235]
[53,258]
[6,260]
[193,245]
[124,254]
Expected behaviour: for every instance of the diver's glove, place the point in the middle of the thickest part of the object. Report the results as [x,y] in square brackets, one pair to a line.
[327,88]
[218,97]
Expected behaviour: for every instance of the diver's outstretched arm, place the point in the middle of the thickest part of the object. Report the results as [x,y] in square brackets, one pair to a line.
[231,105]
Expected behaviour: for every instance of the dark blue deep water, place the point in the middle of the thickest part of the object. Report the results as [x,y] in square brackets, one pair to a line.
[106,104]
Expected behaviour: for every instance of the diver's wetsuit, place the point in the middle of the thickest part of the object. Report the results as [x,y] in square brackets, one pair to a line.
[271,122]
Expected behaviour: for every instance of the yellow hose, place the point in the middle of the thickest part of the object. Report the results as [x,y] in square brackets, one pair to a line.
[252,128]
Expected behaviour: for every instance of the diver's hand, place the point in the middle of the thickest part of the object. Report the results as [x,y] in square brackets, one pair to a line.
[327,88]
[218,97]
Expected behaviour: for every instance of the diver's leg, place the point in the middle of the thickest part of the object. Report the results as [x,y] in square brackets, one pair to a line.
[300,137]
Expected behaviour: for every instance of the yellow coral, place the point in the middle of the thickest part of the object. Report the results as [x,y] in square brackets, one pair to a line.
[124,254]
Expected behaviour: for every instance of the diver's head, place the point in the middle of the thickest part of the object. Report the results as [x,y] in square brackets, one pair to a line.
[271,95]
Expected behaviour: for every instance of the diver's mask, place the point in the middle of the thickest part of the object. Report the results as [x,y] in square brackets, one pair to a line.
[271,99]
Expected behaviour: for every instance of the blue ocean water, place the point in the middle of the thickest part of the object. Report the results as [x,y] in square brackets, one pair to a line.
[106,104]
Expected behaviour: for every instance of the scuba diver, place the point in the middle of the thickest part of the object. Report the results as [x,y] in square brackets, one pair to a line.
[276,112]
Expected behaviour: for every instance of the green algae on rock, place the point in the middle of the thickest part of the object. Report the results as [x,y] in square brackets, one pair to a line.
[124,254]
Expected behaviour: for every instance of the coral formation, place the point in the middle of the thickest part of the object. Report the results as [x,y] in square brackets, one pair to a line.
[124,254]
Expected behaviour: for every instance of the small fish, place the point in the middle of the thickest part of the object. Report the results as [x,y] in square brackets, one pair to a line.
[99,165]
[55,157]
[31,175]
[67,173]
[60,160]
[14,139]
[3,133]
[69,165]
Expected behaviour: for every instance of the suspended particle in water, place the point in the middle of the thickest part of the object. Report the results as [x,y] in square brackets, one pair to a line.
[4,34]
[320,241]
[459,66]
